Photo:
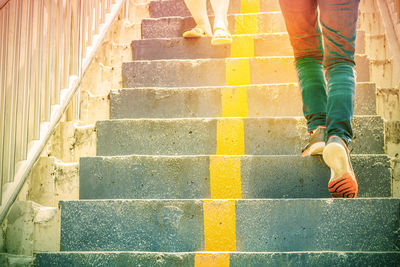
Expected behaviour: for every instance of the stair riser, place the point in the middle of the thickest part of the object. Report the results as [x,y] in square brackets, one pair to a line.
[262,136]
[219,72]
[272,100]
[178,8]
[311,259]
[180,48]
[261,225]
[175,26]
[147,177]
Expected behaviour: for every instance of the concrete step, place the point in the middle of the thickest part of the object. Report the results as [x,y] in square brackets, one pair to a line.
[189,177]
[255,259]
[262,100]
[266,44]
[219,72]
[167,27]
[257,136]
[259,225]
[168,8]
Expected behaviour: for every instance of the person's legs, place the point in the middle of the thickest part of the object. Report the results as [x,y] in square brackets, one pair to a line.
[198,9]
[221,34]
[339,22]
[339,25]
[220,8]
[301,18]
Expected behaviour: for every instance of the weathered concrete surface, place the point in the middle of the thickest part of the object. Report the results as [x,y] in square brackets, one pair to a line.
[165,103]
[157,137]
[212,72]
[132,225]
[10,260]
[392,138]
[52,180]
[102,78]
[294,259]
[202,102]
[262,136]
[171,8]
[121,259]
[315,259]
[180,177]
[388,103]
[141,177]
[32,228]
[168,27]
[318,225]
[71,141]
[94,108]
[261,225]
[286,136]
[395,165]
[174,73]
[269,44]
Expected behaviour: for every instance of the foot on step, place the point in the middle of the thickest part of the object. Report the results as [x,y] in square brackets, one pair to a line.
[316,144]
[221,36]
[196,32]
[343,183]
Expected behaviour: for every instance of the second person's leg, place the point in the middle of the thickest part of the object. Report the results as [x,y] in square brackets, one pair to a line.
[221,34]
[198,9]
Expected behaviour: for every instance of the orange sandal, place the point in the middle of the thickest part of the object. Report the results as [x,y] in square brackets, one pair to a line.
[196,32]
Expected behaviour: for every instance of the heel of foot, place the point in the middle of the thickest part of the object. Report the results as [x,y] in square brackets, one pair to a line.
[344,187]
[335,156]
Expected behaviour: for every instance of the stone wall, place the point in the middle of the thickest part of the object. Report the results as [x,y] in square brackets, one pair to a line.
[386,74]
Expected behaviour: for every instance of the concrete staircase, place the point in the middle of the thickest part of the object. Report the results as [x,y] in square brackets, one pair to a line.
[199,164]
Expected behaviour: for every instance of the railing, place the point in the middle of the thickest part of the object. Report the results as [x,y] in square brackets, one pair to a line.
[45,48]
[390,13]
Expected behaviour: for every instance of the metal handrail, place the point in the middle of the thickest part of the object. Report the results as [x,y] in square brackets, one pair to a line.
[46,47]
[3,3]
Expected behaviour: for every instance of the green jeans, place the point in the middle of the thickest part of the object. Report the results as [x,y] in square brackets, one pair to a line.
[327,101]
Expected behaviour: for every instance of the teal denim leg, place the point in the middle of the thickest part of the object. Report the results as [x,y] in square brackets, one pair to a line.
[313,90]
[339,25]
[341,97]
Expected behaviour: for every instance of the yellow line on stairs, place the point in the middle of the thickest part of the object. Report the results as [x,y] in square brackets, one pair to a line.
[211,259]
[225,178]
[225,167]
[250,6]
[220,225]
[246,24]
[242,46]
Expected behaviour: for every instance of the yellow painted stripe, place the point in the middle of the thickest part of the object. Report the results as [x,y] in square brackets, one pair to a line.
[219,225]
[234,101]
[250,6]
[246,24]
[230,137]
[211,260]
[237,71]
[242,46]
[225,177]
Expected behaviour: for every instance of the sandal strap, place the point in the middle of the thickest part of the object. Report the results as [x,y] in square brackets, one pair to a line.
[199,29]
[222,29]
